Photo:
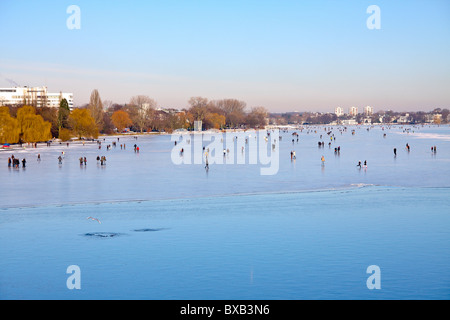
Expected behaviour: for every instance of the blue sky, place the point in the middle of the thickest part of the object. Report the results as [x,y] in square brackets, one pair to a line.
[285,55]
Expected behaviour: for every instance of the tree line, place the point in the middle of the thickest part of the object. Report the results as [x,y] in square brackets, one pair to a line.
[417,117]
[142,114]
[27,124]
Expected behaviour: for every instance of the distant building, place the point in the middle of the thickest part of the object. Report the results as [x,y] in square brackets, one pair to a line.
[353,111]
[339,111]
[34,96]
[404,118]
[146,106]
[349,122]
[429,118]
[198,125]
[54,99]
[368,111]
[367,121]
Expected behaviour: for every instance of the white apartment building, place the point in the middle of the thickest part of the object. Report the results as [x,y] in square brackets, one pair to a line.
[34,96]
[368,111]
[53,99]
[339,111]
[353,111]
[349,122]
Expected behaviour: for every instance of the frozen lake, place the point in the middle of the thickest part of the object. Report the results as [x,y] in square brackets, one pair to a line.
[179,232]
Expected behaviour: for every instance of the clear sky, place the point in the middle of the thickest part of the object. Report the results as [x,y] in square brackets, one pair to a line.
[310,55]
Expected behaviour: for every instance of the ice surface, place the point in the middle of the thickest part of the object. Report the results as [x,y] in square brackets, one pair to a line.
[151,173]
[178,232]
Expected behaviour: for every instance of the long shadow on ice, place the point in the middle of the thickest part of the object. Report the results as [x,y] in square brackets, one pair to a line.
[149,230]
[103,234]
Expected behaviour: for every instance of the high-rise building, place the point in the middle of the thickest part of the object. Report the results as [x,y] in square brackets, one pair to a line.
[33,96]
[353,111]
[368,111]
[339,111]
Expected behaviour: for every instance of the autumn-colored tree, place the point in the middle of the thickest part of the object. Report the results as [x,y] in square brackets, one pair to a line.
[9,127]
[33,128]
[437,120]
[83,124]
[65,134]
[183,120]
[121,120]
[215,120]
[189,118]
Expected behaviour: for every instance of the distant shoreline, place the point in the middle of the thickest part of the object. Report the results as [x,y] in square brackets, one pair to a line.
[57,142]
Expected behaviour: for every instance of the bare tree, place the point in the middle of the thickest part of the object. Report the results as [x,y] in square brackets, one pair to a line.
[107,104]
[198,107]
[234,111]
[143,110]
[198,102]
[95,107]
[257,118]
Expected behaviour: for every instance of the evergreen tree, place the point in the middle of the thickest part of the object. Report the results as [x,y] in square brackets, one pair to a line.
[63,115]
